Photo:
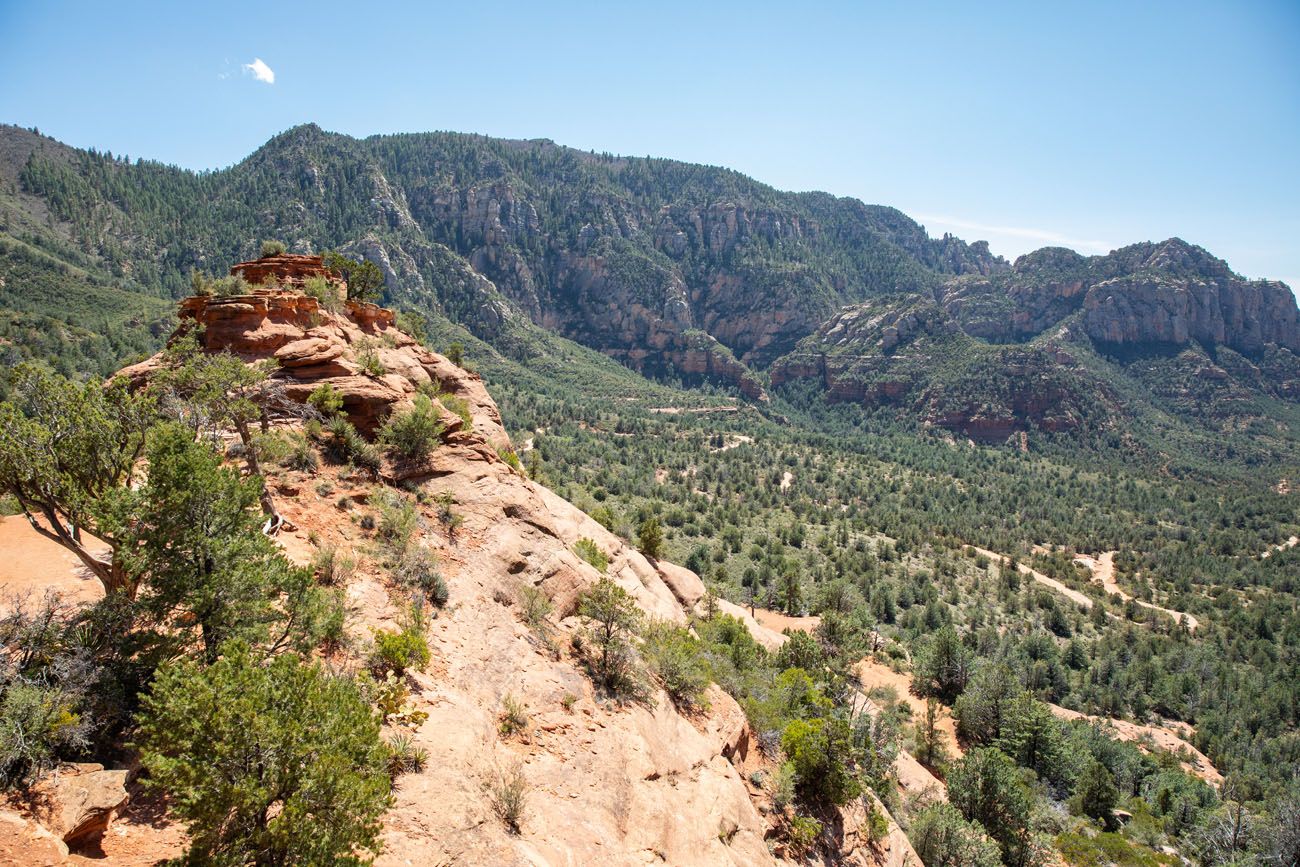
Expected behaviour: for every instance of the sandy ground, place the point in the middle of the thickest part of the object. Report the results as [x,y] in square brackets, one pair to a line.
[874,674]
[732,441]
[778,622]
[1072,595]
[31,564]
[1165,737]
[787,480]
[914,779]
[1103,571]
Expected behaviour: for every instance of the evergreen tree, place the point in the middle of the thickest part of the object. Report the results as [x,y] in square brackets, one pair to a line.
[986,787]
[64,450]
[1095,793]
[650,538]
[943,665]
[270,763]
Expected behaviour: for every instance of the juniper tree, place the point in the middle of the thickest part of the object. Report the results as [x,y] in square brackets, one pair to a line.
[267,763]
[64,448]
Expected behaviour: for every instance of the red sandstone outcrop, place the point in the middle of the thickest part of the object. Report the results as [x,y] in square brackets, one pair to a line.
[282,269]
[80,801]
[314,346]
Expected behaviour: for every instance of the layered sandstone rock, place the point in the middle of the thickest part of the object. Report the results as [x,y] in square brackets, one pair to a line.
[282,269]
[314,346]
[1242,315]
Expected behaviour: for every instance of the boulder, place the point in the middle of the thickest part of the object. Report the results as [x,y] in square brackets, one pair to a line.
[79,801]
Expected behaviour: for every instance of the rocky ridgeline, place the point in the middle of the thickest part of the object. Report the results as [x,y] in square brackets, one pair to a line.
[992,356]
[1170,293]
[608,783]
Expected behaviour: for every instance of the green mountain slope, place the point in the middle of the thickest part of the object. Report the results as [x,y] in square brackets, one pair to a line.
[689,274]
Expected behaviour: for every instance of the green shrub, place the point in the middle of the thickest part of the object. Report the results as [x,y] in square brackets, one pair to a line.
[404,757]
[603,516]
[347,444]
[457,405]
[274,762]
[330,627]
[677,659]
[783,786]
[327,399]
[1108,849]
[301,456]
[536,606]
[368,359]
[508,794]
[447,516]
[235,284]
[398,520]
[514,717]
[415,432]
[987,788]
[273,248]
[587,550]
[940,835]
[650,538]
[612,618]
[325,293]
[877,822]
[801,833]
[821,751]
[1095,793]
[418,569]
[413,323]
[511,458]
[333,568]
[399,651]
[37,724]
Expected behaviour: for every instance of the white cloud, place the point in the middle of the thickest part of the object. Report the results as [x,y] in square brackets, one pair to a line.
[1016,236]
[261,71]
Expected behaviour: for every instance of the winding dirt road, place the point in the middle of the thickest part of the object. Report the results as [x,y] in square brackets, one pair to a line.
[1102,568]
[1289,543]
[1002,560]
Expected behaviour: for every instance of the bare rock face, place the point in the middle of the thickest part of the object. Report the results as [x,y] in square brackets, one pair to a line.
[992,356]
[26,841]
[79,801]
[1242,315]
[1170,293]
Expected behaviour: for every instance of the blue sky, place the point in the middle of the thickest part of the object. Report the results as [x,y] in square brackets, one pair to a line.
[1085,124]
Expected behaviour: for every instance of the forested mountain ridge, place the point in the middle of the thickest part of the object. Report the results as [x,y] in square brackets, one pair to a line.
[688,272]
[656,262]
